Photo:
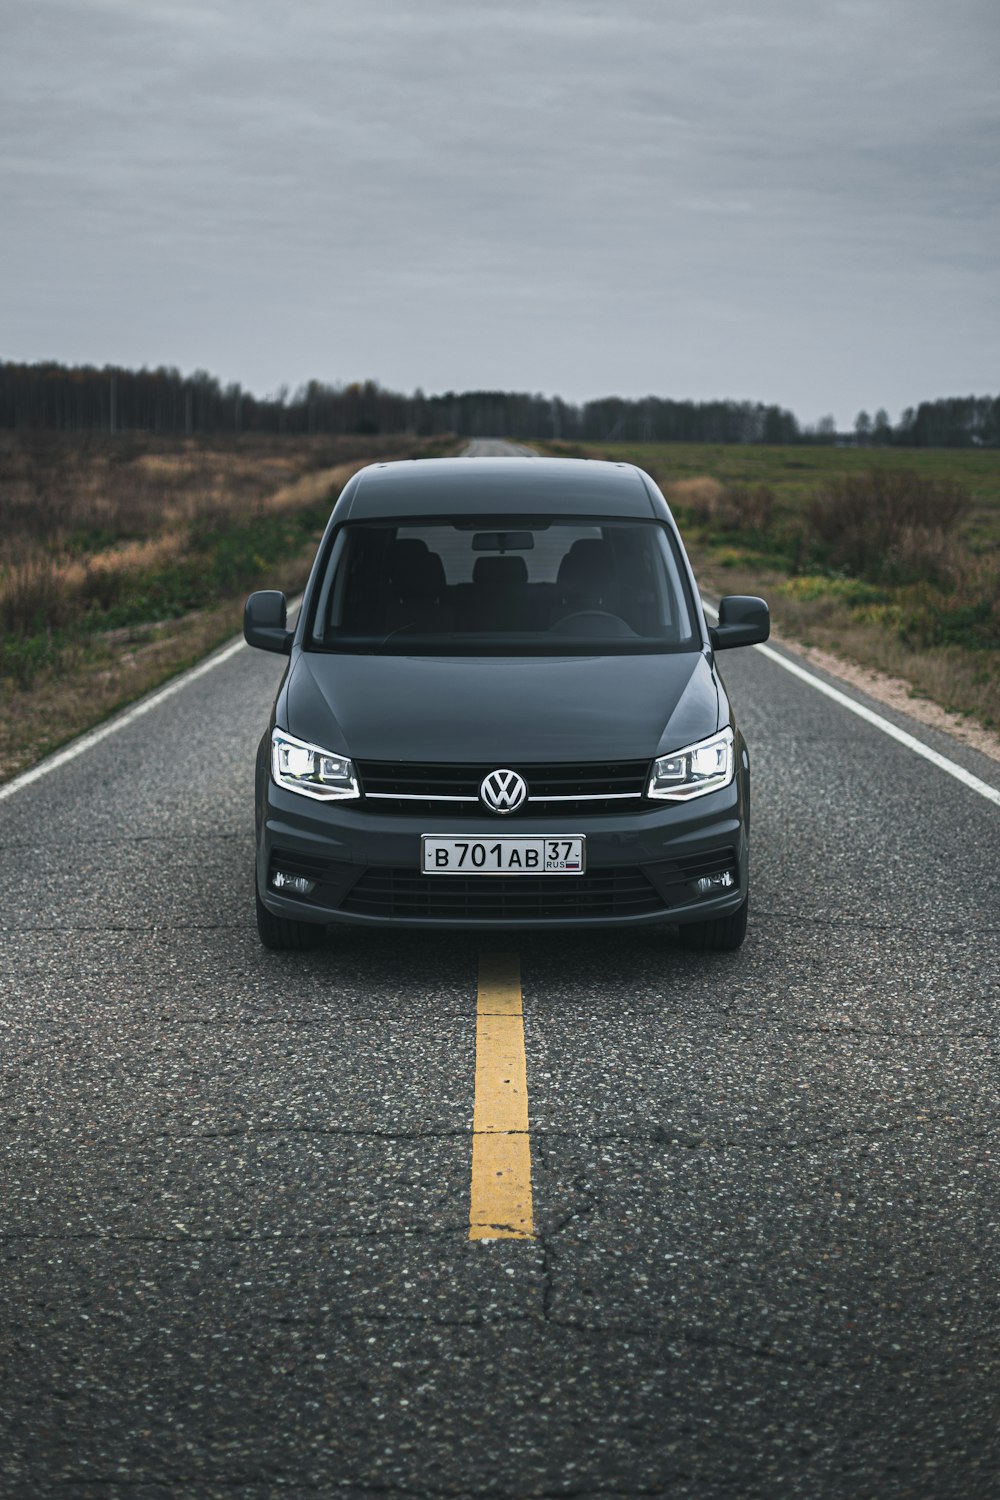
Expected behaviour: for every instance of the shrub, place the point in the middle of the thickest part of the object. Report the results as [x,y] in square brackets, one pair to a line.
[731,510]
[746,508]
[693,501]
[23,659]
[32,597]
[888,525]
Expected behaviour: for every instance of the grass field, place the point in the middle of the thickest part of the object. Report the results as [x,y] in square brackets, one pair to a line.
[126,558]
[890,558]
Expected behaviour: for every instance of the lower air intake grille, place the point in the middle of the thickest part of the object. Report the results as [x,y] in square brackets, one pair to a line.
[602,893]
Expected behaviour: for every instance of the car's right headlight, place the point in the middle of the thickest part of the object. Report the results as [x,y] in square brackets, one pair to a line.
[693,771]
[310,770]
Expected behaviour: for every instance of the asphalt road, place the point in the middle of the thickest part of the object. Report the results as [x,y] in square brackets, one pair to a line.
[497,448]
[235,1184]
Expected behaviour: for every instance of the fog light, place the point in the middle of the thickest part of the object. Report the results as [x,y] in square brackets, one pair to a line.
[297,884]
[721,882]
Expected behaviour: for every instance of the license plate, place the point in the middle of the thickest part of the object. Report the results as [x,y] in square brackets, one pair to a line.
[507,856]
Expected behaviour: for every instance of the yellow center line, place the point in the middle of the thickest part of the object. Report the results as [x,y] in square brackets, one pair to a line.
[500,1207]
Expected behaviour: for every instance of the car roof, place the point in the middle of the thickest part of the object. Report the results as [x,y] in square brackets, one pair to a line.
[521,486]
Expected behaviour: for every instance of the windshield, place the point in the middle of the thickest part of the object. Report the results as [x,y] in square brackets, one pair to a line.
[502,585]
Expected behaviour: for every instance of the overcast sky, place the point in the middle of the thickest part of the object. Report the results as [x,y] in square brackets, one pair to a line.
[778,200]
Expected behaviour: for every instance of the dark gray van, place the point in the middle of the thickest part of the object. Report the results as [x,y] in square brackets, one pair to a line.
[502,710]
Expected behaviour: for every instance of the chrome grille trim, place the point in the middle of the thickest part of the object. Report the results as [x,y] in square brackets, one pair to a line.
[555,788]
[440,797]
[418,797]
[590,797]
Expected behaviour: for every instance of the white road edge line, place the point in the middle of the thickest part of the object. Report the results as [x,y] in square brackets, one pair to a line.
[900,735]
[95,736]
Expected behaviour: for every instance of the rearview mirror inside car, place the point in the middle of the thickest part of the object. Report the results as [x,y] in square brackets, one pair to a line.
[503,541]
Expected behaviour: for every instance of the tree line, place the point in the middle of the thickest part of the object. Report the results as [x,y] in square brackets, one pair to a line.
[83,398]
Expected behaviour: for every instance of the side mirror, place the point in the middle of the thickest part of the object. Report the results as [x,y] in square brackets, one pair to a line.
[264,622]
[743,621]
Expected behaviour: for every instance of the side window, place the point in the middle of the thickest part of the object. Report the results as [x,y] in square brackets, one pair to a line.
[324,612]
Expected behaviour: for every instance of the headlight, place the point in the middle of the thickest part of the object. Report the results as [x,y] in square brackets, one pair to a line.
[692,772]
[310,770]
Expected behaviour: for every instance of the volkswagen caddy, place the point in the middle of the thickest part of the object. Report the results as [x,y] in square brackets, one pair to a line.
[502,710]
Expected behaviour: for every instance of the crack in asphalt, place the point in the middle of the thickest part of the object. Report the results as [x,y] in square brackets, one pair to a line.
[130,927]
[185,1237]
[539,1134]
[361,1490]
[172,840]
[849,919]
[650,1331]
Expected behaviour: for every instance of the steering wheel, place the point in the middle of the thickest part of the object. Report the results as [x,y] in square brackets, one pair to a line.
[595,616]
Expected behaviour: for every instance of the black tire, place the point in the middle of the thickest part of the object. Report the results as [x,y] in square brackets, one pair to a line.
[281,934]
[718,935]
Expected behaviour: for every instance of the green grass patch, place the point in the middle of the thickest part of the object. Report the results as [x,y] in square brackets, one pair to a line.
[824,586]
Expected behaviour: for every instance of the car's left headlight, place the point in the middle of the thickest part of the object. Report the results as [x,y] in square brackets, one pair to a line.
[311,770]
[693,771]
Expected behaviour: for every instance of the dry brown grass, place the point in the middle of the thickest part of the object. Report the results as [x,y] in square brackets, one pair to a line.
[55,486]
[723,508]
[701,495]
[79,519]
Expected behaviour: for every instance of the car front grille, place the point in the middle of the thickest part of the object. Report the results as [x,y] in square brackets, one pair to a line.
[406,893]
[553,790]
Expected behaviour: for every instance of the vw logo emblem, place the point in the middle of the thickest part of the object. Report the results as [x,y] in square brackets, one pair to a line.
[503,791]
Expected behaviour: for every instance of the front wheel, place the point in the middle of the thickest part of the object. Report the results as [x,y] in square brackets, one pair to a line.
[717,934]
[281,933]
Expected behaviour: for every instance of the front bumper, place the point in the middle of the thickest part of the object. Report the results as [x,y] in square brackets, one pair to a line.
[641,865]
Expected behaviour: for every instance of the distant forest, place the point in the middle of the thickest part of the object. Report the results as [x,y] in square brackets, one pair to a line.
[81,398]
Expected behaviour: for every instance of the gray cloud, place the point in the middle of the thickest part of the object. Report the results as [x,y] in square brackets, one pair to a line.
[773,200]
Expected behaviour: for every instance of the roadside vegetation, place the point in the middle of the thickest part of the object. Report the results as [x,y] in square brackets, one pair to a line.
[125,558]
[887,558]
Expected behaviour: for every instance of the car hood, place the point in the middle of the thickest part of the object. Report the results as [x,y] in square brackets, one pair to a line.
[497,709]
